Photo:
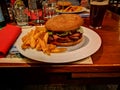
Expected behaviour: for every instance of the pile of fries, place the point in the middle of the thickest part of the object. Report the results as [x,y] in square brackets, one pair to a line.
[73,9]
[38,39]
[70,8]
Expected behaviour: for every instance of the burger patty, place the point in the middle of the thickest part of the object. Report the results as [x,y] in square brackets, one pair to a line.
[64,39]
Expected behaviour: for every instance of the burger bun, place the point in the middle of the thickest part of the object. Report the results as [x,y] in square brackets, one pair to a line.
[64,22]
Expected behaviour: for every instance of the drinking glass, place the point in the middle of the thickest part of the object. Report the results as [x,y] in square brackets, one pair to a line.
[20,16]
[49,10]
[36,12]
[39,11]
[97,12]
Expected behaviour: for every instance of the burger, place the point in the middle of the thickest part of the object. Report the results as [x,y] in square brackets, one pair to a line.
[65,30]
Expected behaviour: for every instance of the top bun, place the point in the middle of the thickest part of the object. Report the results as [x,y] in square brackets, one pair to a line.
[64,22]
[64,3]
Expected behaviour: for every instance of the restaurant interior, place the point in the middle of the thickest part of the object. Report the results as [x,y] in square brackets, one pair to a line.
[93,63]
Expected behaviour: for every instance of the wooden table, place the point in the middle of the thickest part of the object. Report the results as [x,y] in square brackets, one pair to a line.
[105,67]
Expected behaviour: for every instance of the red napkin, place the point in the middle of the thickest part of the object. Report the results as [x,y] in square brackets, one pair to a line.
[8,36]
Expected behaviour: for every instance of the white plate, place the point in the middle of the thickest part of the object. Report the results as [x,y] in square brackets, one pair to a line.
[83,10]
[89,46]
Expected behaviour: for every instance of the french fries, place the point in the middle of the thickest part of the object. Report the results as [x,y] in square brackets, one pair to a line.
[38,39]
[70,8]
[73,9]
[58,50]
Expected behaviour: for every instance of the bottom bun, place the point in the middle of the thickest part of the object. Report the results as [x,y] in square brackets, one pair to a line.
[69,43]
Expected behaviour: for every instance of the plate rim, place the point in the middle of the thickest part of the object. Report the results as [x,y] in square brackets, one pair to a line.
[77,53]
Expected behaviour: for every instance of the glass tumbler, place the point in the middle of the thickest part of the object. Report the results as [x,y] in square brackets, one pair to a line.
[97,12]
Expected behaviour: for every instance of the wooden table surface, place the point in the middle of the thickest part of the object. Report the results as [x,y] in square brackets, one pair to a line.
[106,61]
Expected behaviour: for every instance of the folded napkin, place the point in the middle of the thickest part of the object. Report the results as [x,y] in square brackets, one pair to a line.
[8,35]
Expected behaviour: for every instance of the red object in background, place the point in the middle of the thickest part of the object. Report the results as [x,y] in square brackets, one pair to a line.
[27,11]
[12,1]
[40,13]
[34,14]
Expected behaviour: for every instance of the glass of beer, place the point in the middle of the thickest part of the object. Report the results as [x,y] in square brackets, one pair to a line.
[97,12]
